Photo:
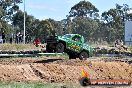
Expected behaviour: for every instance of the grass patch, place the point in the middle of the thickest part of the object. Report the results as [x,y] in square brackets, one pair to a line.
[37,85]
[21,47]
[18,47]
[64,55]
[130,47]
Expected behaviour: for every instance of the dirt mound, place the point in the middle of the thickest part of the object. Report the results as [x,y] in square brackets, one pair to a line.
[57,70]
[73,62]
[27,60]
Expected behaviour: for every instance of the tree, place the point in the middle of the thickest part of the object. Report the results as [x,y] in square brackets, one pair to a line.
[18,21]
[7,28]
[31,24]
[82,19]
[83,8]
[7,8]
[67,23]
[57,27]
[44,29]
[129,17]
[115,19]
[85,26]
[34,31]
[120,12]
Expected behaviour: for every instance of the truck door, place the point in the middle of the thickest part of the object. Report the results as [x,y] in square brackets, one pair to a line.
[76,43]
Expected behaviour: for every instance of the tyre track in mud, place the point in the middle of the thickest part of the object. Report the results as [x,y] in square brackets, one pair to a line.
[58,70]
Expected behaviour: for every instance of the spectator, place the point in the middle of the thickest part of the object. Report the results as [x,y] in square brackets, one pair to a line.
[11,38]
[117,42]
[121,43]
[28,39]
[20,36]
[17,37]
[37,42]
[3,37]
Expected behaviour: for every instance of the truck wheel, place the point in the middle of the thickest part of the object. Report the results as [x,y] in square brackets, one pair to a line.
[83,55]
[48,49]
[60,48]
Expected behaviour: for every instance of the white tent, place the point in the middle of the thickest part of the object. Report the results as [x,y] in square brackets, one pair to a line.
[128,33]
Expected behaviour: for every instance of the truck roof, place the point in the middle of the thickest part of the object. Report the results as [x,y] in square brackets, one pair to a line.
[73,34]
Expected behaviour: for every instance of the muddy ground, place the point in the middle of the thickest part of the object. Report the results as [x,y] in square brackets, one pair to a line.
[51,70]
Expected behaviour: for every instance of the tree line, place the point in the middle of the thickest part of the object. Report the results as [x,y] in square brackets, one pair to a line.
[83,18]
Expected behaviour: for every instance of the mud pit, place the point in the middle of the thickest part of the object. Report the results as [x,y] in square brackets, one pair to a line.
[60,70]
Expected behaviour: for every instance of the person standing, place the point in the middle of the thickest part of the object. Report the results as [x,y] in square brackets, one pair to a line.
[20,38]
[3,37]
[37,42]
[17,37]
[11,38]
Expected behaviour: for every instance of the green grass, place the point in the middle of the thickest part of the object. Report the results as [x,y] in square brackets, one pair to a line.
[37,85]
[130,47]
[64,55]
[8,46]
[19,47]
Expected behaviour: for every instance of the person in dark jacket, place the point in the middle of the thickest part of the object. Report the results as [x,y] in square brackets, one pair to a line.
[3,37]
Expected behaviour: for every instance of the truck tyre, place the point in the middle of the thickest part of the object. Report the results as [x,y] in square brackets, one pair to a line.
[60,48]
[48,49]
[83,55]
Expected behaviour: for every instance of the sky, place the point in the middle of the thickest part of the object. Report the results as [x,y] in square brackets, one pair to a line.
[58,9]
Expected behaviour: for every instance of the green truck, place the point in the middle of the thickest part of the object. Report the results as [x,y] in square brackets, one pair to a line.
[72,44]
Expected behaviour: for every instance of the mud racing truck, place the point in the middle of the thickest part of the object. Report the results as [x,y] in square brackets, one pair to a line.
[72,44]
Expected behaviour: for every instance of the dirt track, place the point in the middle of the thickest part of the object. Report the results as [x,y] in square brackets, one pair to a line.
[58,70]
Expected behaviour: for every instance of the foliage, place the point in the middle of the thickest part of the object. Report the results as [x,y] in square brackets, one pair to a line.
[83,8]
[109,28]
[83,18]
[115,19]
[84,26]
[17,47]
[38,85]
[44,28]
[18,20]
[130,47]
[57,26]
[7,8]
[7,28]
[34,27]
